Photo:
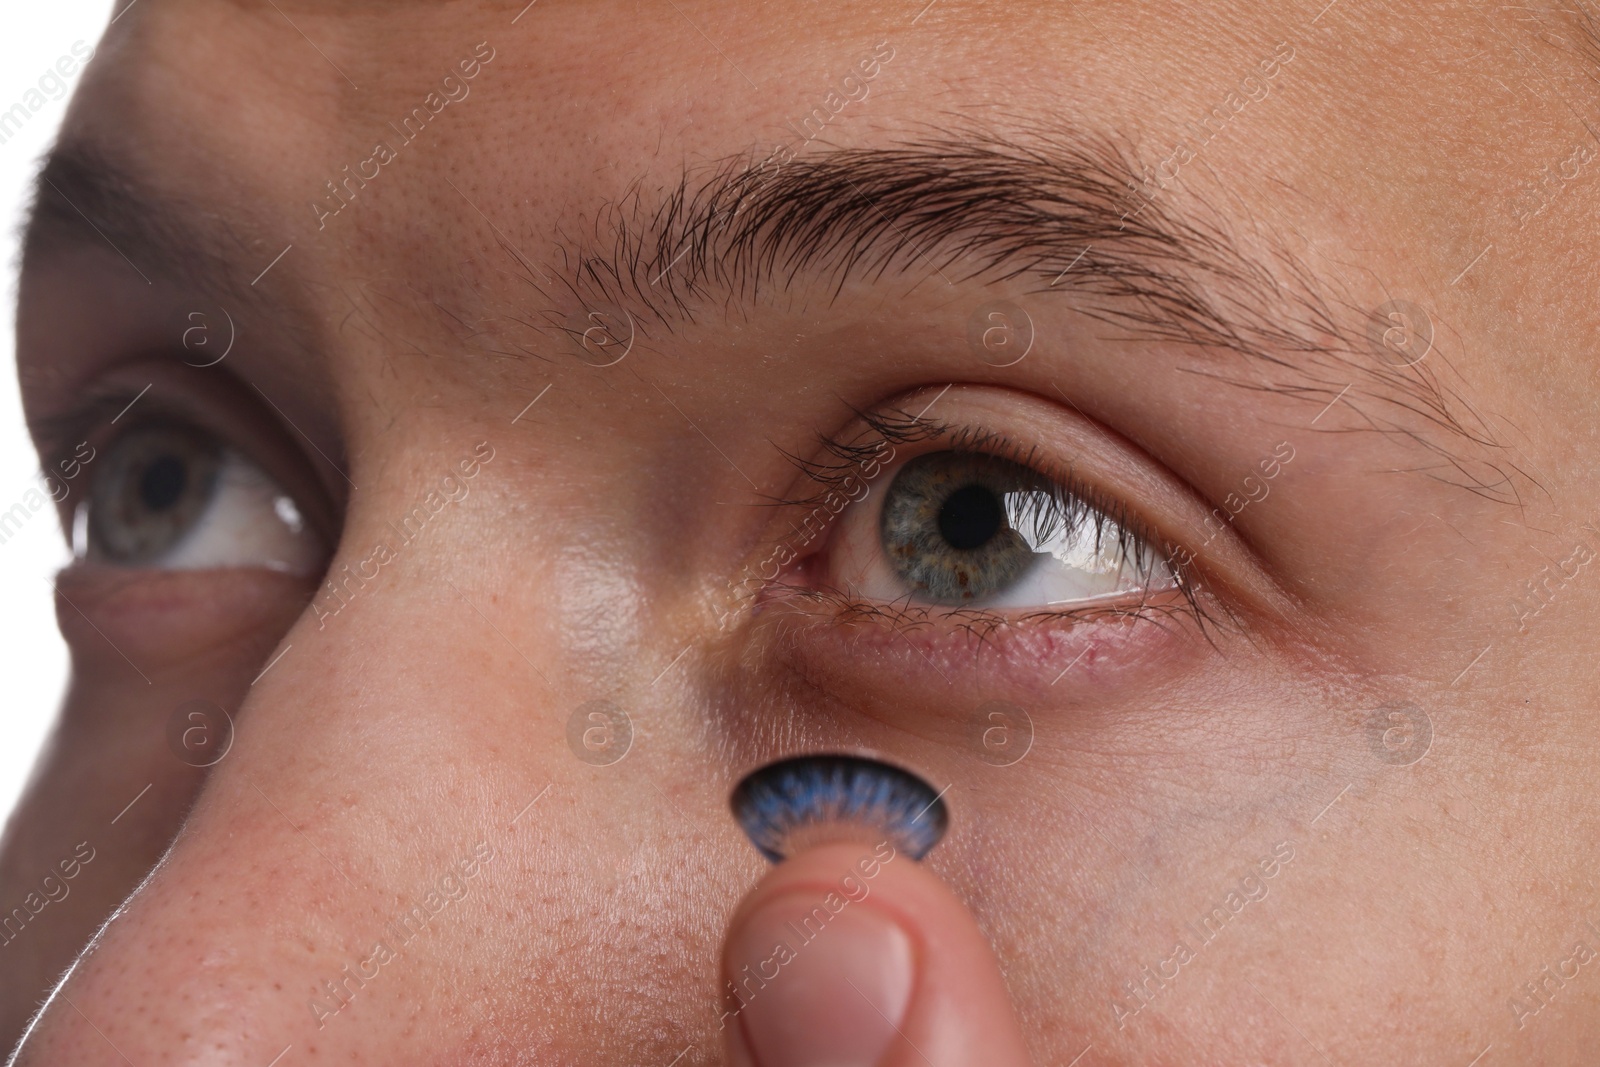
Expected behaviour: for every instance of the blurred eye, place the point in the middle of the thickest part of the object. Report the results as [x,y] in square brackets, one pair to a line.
[974,529]
[172,496]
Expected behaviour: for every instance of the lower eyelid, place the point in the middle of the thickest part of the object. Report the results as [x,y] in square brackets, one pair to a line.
[162,619]
[911,675]
[983,625]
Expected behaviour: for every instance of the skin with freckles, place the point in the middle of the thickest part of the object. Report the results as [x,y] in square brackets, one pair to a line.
[1324,799]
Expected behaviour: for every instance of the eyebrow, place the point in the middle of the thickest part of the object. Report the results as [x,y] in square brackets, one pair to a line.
[81,197]
[1065,216]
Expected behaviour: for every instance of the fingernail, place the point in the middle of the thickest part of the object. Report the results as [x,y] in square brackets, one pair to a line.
[818,987]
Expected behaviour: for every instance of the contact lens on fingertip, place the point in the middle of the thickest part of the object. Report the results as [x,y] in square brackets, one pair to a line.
[800,803]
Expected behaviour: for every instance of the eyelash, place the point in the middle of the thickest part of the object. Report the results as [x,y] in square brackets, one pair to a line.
[1076,500]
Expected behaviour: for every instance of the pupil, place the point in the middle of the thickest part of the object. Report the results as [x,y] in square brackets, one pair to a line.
[970,517]
[163,483]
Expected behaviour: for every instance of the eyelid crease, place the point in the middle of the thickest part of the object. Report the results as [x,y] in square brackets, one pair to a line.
[57,434]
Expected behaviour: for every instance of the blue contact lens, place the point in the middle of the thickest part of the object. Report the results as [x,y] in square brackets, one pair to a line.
[798,803]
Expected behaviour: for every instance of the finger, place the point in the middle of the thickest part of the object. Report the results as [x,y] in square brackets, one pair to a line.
[856,956]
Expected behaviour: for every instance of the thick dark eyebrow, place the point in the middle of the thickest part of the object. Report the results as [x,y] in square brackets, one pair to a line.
[1064,214]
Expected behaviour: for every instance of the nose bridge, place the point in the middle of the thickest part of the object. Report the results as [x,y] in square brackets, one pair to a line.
[317,837]
[259,894]
[404,772]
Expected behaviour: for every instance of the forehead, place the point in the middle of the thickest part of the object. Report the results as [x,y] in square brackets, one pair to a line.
[583,98]
[1340,130]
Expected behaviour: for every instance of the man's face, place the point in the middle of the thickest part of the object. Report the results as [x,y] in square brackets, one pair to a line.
[1170,432]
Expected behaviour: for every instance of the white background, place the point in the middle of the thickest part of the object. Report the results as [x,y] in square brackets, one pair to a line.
[33,661]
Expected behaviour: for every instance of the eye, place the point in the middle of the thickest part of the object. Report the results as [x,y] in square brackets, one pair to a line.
[172,496]
[970,528]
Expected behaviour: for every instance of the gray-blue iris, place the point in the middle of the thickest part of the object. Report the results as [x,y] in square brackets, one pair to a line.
[151,488]
[949,524]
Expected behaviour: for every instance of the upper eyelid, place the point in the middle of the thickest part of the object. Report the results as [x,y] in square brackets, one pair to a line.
[56,435]
[892,428]
[898,428]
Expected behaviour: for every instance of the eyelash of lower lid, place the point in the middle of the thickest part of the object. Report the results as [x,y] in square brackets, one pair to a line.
[839,476]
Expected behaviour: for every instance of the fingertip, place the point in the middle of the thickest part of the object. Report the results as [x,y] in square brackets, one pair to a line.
[855,953]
